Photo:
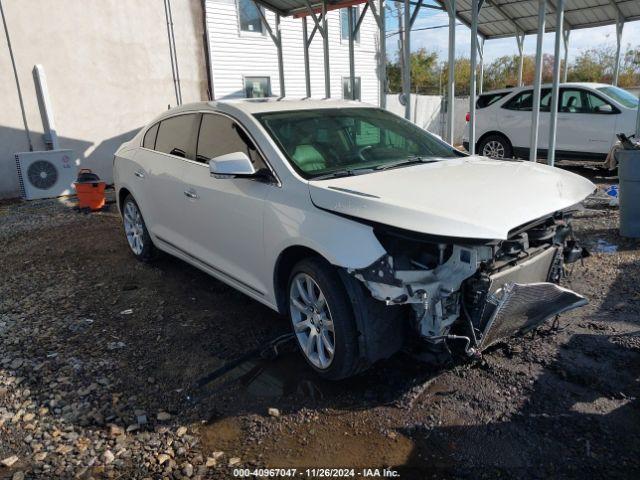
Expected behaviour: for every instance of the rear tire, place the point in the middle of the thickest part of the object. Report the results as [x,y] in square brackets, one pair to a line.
[322,319]
[135,231]
[496,146]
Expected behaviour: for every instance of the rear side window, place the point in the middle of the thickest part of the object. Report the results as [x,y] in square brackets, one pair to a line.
[487,99]
[220,135]
[149,140]
[524,101]
[176,135]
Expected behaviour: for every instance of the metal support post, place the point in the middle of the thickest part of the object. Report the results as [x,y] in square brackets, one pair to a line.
[555,89]
[325,43]
[537,80]
[406,58]
[520,40]
[451,81]
[475,11]
[280,59]
[352,65]
[565,37]
[616,69]
[481,54]
[382,59]
[307,73]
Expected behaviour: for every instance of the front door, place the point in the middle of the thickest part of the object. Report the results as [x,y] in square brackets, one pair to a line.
[224,217]
[586,122]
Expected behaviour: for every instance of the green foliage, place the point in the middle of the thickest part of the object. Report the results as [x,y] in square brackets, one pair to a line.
[429,75]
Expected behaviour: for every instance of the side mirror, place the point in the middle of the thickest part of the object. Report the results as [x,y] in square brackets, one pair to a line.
[606,108]
[231,165]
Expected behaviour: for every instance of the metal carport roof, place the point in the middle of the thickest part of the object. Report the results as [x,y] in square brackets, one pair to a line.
[503,18]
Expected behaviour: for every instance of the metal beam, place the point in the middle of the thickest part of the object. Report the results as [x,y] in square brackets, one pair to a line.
[451,81]
[537,80]
[475,5]
[414,15]
[499,9]
[277,40]
[555,89]
[520,42]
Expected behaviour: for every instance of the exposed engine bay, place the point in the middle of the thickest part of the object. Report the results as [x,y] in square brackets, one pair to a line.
[476,292]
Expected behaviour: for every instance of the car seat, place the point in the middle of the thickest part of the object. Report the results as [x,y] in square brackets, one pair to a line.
[308,158]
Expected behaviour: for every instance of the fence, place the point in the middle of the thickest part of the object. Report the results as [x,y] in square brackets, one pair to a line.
[429,112]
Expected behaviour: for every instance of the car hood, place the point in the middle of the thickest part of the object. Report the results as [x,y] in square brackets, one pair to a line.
[471,197]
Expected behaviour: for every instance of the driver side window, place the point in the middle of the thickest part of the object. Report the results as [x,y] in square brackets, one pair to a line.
[220,135]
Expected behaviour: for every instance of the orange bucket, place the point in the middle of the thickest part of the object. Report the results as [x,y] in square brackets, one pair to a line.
[90,190]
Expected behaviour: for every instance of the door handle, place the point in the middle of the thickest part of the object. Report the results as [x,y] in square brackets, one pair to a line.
[139,173]
[191,194]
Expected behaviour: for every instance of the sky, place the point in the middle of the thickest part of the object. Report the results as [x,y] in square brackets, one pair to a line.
[438,39]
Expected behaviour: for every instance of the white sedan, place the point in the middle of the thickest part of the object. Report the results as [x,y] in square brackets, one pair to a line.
[365,230]
[589,117]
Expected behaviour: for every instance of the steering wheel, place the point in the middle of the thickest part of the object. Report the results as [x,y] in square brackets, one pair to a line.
[361,152]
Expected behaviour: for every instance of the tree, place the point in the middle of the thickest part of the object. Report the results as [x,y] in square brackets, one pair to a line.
[424,73]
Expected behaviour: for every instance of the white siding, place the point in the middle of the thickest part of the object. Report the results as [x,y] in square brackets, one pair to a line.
[236,54]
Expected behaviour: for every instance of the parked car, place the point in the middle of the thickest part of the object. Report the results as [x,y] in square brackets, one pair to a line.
[365,230]
[589,117]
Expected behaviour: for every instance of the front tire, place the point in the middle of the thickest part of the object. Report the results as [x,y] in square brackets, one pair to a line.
[322,319]
[496,146]
[136,232]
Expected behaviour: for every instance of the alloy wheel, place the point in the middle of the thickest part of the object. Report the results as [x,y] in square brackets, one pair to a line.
[493,149]
[134,227]
[312,321]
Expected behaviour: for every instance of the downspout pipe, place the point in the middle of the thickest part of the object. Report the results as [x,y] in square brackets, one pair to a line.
[15,74]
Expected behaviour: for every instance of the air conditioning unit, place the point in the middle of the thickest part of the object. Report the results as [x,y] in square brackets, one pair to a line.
[46,174]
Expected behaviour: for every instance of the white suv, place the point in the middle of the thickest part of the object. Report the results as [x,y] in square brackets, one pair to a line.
[589,117]
[365,230]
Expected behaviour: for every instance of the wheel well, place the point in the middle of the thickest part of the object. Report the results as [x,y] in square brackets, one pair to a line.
[285,263]
[122,194]
[493,132]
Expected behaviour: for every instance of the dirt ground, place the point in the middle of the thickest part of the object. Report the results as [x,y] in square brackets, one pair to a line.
[99,354]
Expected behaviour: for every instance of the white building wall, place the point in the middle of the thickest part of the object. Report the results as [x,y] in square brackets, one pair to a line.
[236,54]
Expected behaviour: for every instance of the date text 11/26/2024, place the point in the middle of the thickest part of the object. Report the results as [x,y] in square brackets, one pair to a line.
[316,472]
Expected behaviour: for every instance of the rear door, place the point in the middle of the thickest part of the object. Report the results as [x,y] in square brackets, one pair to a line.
[160,175]
[586,122]
[515,119]
[224,217]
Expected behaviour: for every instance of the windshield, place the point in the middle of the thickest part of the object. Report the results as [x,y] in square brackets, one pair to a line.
[621,96]
[343,140]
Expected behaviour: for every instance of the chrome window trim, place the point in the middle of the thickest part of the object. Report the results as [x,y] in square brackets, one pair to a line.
[278,182]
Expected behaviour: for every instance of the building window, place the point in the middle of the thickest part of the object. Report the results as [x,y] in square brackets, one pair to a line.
[346,89]
[257,87]
[344,23]
[250,19]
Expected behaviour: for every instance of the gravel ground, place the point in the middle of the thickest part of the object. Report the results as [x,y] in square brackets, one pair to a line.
[98,355]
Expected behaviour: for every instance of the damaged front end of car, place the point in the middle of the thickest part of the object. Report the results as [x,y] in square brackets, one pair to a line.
[473,293]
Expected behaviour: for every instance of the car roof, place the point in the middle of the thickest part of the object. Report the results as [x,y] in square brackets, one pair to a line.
[548,85]
[272,104]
